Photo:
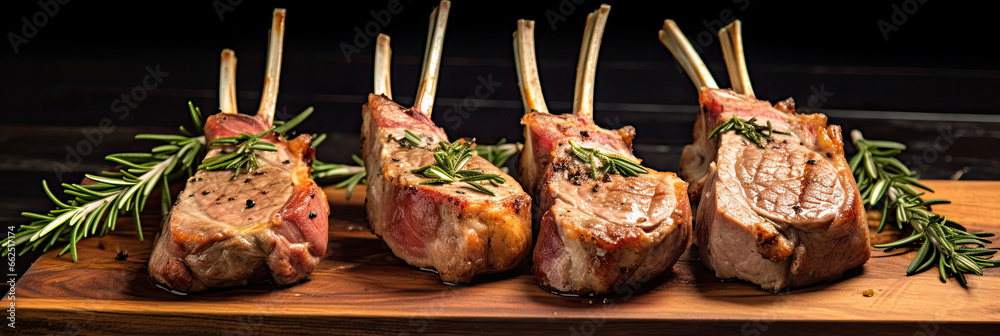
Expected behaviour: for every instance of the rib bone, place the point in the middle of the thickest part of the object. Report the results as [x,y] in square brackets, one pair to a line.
[383,60]
[731,39]
[586,68]
[674,39]
[269,96]
[432,59]
[527,67]
[227,82]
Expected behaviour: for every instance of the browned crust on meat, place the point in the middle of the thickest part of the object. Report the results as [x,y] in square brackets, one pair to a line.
[821,251]
[455,230]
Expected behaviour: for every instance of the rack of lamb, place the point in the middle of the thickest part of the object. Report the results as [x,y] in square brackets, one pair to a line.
[231,229]
[775,200]
[605,222]
[435,203]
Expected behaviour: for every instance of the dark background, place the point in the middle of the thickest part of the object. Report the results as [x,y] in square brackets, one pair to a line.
[934,79]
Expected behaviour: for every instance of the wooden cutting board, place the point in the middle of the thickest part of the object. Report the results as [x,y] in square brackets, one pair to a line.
[362,288]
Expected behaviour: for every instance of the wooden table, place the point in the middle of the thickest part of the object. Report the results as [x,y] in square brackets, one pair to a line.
[362,288]
[940,102]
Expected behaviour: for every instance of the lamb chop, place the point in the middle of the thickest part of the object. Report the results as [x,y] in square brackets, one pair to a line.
[776,205]
[604,221]
[230,230]
[436,204]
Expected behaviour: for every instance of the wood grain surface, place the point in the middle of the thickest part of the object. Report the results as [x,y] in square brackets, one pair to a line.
[361,288]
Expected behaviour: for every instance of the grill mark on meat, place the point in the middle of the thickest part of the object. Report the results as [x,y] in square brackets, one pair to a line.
[774,180]
[590,230]
[780,217]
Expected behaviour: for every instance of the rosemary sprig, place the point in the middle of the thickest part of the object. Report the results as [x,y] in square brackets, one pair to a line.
[94,208]
[606,163]
[318,139]
[497,154]
[748,128]
[354,174]
[411,139]
[449,161]
[243,160]
[333,171]
[883,179]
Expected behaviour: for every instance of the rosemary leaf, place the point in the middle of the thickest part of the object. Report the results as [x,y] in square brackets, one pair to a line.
[243,159]
[497,154]
[288,125]
[943,243]
[411,139]
[481,188]
[94,208]
[449,161]
[749,129]
[606,163]
[354,174]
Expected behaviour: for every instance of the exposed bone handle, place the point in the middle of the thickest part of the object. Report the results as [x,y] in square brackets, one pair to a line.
[269,96]
[672,37]
[227,82]
[586,68]
[383,60]
[527,68]
[432,59]
[731,39]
